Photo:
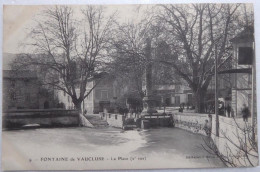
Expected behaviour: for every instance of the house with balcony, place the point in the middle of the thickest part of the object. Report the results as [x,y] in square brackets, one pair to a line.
[241,67]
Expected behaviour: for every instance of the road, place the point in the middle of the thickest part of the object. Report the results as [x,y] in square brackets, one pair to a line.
[153,148]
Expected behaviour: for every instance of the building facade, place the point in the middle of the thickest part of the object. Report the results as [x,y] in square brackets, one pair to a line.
[103,96]
[174,94]
[237,77]
[20,90]
[243,55]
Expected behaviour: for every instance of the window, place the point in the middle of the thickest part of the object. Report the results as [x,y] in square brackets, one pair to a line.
[168,101]
[26,82]
[115,116]
[249,80]
[68,98]
[98,94]
[12,83]
[177,88]
[20,91]
[245,55]
[104,95]
[28,97]
[13,96]
[64,93]
[190,99]
[177,100]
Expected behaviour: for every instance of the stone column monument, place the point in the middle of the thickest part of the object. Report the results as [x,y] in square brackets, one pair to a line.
[149,100]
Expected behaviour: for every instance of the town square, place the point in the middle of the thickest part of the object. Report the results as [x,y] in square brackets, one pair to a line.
[151,86]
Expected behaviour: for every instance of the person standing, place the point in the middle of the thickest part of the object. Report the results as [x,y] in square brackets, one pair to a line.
[228,109]
[245,113]
[207,127]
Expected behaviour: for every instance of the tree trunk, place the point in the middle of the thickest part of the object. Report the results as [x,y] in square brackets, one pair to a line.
[78,107]
[199,100]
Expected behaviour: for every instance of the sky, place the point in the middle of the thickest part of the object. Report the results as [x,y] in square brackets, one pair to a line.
[17,20]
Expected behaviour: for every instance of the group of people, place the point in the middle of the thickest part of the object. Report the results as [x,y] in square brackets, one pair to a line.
[245,112]
[228,111]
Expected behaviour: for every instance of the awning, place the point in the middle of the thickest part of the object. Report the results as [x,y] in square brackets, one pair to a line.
[243,70]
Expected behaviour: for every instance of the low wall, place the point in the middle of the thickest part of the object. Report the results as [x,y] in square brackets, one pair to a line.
[43,117]
[193,122]
[232,140]
[158,120]
[114,120]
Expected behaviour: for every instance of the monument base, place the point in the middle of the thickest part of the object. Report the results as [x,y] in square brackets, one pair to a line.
[149,106]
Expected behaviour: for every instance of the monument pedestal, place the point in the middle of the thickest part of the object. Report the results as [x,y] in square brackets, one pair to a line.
[149,103]
[149,109]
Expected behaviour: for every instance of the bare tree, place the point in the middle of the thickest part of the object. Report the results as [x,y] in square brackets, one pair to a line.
[195,33]
[130,51]
[69,52]
[129,55]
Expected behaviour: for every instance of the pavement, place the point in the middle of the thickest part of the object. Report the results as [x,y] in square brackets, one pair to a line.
[168,147]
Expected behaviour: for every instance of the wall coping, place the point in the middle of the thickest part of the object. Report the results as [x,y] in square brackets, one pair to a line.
[111,113]
[37,110]
[191,114]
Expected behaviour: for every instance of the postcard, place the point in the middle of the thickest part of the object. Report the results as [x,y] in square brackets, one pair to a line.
[144,86]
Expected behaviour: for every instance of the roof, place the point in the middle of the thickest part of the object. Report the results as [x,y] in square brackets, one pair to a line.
[21,74]
[187,91]
[245,35]
[8,59]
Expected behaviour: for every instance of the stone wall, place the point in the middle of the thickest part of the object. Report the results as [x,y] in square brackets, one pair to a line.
[48,118]
[114,120]
[231,135]
[232,138]
[191,121]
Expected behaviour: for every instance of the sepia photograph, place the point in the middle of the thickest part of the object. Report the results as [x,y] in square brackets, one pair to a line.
[129,86]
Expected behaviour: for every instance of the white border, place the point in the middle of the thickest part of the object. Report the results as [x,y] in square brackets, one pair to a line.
[257,40]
